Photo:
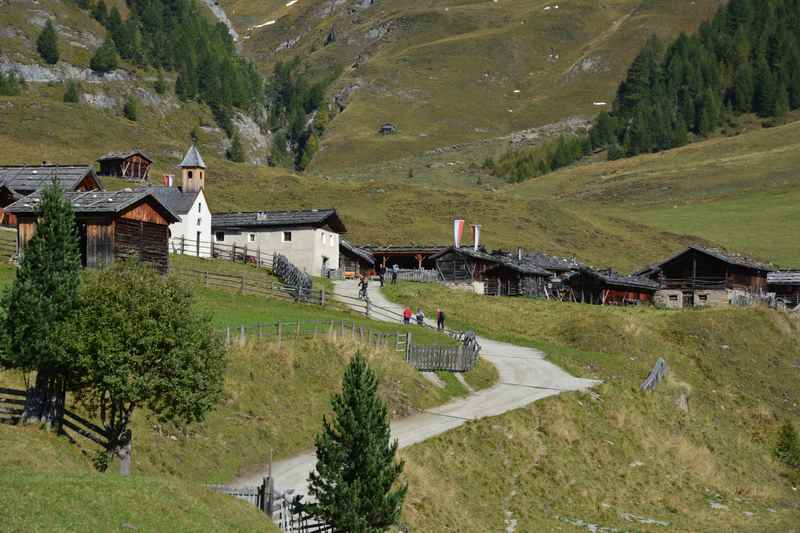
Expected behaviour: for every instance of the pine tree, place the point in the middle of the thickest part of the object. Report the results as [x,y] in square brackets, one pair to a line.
[235,152]
[47,44]
[356,484]
[161,84]
[38,304]
[788,448]
[131,109]
[309,151]
[105,58]
[100,12]
[71,93]
[743,88]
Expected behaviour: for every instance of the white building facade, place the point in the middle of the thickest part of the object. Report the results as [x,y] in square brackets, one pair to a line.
[309,239]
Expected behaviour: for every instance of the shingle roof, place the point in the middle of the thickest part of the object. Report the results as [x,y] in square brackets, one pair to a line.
[193,158]
[26,179]
[98,202]
[552,262]
[784,277]
[279,219]
[620,280]
[123,155]
[523,267]
[355,250]
[724,256]
[425,248]
[172,198]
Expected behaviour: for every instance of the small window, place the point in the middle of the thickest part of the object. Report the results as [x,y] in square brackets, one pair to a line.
[199,207]
[251,237]
[287,236]
[220,236]
[199,221]
[190,174]
[673,297]
[703,297]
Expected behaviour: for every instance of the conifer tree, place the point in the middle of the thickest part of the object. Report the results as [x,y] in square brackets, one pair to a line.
[40,301]
[71,93]
[356,484]
[235,152]
[100,12]
[131,109]
[105,58]
[309,150]
[47,44]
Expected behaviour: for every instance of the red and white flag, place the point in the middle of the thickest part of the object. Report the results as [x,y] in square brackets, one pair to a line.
[458,232]
[476,235]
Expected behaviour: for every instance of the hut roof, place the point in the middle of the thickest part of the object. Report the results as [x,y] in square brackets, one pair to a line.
[358,252]
[26,179]
[500,260]
[279,219]
[405,249]
[469,252]
[722,255]
[552,263]
[523,267]
[193,159]
[616,279]
[95,202]
[113,156]
[173,198]
[784,277]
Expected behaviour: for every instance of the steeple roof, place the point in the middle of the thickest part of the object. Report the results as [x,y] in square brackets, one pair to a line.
[193,159]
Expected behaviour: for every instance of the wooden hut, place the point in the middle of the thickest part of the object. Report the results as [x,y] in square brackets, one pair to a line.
[700,276]
[464,265]
[605,287]
[785,284]
[354,260]
[512,278]
[111,226]
[17,181]
[132,165]
[406,257]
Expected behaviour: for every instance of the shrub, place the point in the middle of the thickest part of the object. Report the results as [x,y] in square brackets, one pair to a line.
[47,44]
[71,93]
[131,109]
[788,448]
[105,58]
[10,84]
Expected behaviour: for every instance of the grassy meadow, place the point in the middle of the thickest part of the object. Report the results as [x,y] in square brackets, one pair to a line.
[607,457]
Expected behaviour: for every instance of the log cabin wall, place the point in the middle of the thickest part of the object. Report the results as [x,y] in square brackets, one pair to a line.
[89,183]
[145,241]
[97,242]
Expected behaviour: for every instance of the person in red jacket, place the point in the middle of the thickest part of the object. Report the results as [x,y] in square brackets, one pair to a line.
[407,314]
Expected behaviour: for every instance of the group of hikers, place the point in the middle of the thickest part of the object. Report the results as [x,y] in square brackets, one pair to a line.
[408,314]
[420,317]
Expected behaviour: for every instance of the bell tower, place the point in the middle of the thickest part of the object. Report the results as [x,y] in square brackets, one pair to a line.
[193,171]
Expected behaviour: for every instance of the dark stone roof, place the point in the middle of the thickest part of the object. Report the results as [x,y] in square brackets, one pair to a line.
[27,179]
[615,279]
[94,202]
[500,260]
[523,267]
[722,255]
[316,218]
[193,158]
[173,198]
[111,156]
[784,277]
[405,249]
[552,262]
[361,253]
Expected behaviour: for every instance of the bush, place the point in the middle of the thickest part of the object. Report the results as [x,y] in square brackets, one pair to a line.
[161,84]
[236,151]
[47,44]
[10,84]
[131,109]
[105,58]
[71,93]
[788,448]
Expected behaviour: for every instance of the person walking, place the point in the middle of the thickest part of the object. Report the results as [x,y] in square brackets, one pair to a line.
[395,272]
[440,318]
[420,317]
[363,285]
[407,316]
[381,274]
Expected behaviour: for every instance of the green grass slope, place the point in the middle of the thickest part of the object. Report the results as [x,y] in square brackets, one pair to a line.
[460,70]
[49,486]
[616,455]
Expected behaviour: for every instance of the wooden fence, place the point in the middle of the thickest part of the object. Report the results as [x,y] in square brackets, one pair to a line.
[12,403]
[287,514]
[450,359]
[252,255]
[252,285]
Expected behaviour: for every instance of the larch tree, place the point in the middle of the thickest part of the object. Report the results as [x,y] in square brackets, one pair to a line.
[47,44]
[356,486]
[41,300]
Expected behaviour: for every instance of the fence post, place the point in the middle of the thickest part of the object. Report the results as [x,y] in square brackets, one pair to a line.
[279,335]
[258,261]
[233,254]
[331,332]
[227,336]
[322,297]
[206,278]
[183,244]
[408,345]
[212,246]
[242,339]
[242,289]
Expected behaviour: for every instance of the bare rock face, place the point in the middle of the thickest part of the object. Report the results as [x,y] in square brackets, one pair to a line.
[254,138]
[570,125]
[100,100]
[342,97]
[60,72]
[588,65]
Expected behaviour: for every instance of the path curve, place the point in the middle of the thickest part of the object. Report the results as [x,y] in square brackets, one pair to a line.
[525,377]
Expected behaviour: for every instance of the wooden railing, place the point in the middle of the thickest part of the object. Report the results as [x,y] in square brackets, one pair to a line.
[252,285]
[694,283]
[12,404]
[230,252]
[419,276]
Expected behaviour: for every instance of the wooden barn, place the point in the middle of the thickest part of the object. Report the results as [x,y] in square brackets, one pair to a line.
[354,260]
[406,257]
[111,226]
[605,287]
[785,284]
[464,265]
[132,165]
[512,278]
[16,182]
[700,276]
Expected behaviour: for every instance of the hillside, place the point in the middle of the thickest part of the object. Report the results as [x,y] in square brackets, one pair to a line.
[696,453]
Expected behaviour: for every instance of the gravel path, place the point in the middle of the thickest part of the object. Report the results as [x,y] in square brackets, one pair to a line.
[525,376]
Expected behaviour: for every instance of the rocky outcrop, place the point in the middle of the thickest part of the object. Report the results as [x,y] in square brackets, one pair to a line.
[61,72]
[218,12]
[568,126]
[343,95]
[257,142]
